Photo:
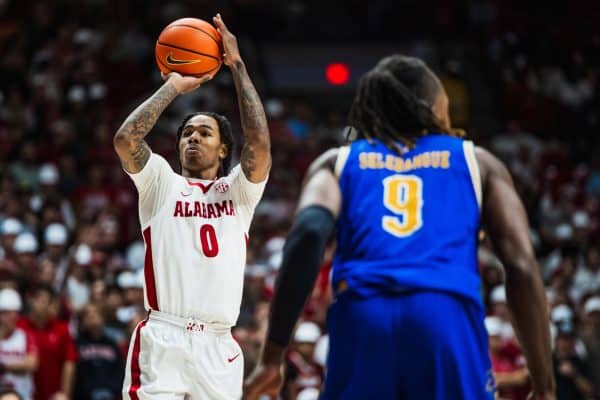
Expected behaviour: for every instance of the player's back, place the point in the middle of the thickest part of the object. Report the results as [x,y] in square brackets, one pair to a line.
[409,222]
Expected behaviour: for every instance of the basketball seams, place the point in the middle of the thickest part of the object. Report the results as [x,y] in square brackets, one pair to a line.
[188,50]
[195,28]
[162,63]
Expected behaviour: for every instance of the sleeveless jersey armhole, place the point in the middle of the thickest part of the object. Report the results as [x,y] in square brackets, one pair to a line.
[469,151]
[340,163]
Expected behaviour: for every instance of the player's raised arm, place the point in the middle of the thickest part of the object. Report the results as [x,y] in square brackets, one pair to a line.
[129,141]
[506,222]
[256,153]
[318,209]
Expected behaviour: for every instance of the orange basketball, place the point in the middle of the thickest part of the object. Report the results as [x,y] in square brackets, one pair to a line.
[189,46]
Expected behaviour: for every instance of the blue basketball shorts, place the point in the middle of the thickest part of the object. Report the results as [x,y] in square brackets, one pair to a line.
[415,346]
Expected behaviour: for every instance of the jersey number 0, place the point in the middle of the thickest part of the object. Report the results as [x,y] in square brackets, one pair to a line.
[403,195]
[208,240]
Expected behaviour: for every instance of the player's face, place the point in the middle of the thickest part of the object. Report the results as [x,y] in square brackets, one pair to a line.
[200,146]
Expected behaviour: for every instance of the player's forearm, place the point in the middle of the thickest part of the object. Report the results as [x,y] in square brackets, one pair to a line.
[302,257]
[272,353]
[256,154]
[139,123]
[527,303]
[129,139]
[507,380]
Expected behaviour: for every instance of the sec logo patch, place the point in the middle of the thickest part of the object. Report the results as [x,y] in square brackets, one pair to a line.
[221,186]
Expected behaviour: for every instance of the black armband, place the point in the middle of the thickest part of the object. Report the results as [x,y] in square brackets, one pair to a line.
[302,257]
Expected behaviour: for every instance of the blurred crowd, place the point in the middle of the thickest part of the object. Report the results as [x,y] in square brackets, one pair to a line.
[71,255]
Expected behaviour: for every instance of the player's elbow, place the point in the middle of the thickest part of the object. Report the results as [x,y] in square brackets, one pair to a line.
[122,141]
[312,229]
[260,144]
[306,235]
[521,268]
[119,140]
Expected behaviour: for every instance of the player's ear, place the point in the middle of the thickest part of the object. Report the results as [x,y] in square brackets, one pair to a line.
[223,151]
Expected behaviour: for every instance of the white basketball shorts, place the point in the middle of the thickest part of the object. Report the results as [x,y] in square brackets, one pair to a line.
[179,358]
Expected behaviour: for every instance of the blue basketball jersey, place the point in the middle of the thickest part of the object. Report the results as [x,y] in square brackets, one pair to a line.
[409,222]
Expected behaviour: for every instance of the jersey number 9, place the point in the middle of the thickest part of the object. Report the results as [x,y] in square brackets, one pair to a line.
[402,195]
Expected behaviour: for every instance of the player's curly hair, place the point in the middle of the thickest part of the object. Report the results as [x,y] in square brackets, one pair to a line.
[393,102]
[225,133]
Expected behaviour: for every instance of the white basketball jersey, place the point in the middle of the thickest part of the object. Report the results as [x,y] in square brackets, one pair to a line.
[195,232]
[13,349]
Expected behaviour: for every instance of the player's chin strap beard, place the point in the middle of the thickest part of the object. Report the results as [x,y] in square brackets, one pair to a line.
[220,171]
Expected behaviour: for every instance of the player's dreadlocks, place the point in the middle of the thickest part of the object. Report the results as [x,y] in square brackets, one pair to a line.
[225,134]
[393,102]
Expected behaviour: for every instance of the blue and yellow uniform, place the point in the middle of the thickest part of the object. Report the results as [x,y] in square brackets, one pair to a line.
[407,321]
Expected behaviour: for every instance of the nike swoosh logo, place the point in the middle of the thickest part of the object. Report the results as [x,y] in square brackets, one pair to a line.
[174,61]
[233,358]
[186,195]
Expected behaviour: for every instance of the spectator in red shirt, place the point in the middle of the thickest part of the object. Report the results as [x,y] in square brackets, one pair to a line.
[511,377]
[57,352]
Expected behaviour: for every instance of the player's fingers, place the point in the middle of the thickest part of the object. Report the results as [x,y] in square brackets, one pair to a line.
[222,23]
[219,22]
[170,74]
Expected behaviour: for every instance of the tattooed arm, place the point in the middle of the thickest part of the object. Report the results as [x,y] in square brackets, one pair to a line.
[256,153]
[129,141]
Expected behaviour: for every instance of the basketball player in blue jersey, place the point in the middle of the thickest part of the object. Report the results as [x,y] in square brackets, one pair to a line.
[408,196]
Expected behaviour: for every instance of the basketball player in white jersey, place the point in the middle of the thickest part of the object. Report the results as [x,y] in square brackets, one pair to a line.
[195,227]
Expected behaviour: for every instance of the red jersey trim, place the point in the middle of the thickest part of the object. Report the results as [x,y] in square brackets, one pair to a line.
[149,272]
[205,188]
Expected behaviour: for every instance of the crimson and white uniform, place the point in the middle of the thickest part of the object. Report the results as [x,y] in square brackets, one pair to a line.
[195,232]
[13,349]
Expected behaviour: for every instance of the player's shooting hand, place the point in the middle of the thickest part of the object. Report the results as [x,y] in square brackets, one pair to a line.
[231,52]
[266,379]
[186,84]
